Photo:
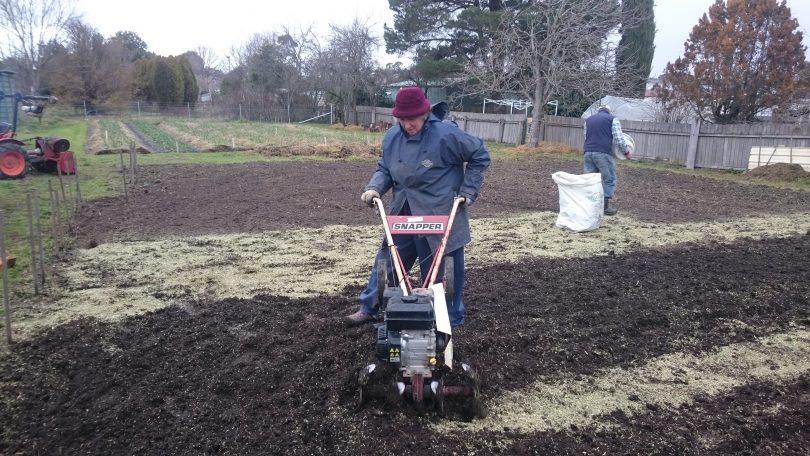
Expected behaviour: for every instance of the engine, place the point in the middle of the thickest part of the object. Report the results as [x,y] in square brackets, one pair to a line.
[407,337]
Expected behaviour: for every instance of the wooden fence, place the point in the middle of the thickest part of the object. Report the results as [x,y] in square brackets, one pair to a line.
[698,145]
[501,128]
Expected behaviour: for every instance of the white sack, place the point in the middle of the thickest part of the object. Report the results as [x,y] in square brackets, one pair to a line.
[582,202]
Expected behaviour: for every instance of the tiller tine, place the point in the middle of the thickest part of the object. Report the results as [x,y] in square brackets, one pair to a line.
[460,392]
[376,383]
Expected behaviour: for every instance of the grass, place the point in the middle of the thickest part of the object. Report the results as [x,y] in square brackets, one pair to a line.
[253,134]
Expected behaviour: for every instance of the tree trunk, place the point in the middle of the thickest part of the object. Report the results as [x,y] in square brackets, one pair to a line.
[538,114]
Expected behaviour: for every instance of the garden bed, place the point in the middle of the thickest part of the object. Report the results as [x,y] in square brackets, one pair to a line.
[680,326]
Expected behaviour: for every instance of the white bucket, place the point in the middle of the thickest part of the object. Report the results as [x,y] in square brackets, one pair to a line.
[629,140]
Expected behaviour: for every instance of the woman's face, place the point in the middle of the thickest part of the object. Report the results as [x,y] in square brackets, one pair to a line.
[412,125]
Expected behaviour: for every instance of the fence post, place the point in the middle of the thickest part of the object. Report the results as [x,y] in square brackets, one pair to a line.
[132,164]
[54,206]
[694,136]
[123,176]
[4,268]
[64,198]
[501,128]
[31,243]
[78,187]
[523,126]
[38,230]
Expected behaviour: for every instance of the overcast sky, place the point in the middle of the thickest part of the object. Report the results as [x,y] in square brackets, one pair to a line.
[171,27]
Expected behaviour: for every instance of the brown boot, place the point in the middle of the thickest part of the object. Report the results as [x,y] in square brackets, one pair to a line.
[358,318]
[609,210]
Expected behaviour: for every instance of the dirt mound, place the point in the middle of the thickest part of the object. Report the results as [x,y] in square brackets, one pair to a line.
[779,172]
[120,150]
[322,150]
[220,148]
[348,127]
[546,147]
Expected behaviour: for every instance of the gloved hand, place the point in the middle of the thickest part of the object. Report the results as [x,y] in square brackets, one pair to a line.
[465,202]
[368,197]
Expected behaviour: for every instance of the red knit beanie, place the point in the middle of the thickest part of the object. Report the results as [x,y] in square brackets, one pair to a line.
[410,102]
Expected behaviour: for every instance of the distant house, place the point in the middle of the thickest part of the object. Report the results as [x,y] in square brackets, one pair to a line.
[651,90]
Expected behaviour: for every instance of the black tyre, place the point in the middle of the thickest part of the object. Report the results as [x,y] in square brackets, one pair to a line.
[14,161]
[449,279]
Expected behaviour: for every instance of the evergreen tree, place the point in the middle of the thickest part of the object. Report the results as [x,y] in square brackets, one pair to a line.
[167,80]
[444,35]
[133,43]
[167,83]
[635,52]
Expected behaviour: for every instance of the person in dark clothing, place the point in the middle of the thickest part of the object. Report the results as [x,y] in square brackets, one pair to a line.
[602,131]
[427,163]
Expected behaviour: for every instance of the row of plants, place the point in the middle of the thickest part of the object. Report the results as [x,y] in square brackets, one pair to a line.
[250,134]
[112,134]
[163,140]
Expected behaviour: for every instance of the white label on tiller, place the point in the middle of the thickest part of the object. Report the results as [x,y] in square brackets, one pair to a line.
[425,224]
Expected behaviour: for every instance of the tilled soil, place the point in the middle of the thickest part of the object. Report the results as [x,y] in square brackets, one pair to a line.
[185,200]
[274,375]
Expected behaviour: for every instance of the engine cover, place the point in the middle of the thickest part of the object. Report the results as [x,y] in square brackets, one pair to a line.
[409,312]
[407,337]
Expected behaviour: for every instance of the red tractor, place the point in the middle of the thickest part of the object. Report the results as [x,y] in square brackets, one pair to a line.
[49,155]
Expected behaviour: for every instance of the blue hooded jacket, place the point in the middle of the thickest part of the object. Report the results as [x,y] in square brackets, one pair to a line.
[428,170]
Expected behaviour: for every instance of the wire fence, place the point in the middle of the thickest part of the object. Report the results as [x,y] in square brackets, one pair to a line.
[248,110]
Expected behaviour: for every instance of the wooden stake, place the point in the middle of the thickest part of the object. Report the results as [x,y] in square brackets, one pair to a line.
[4,267]
[38,231]
[56,218]
[78,187]
[123,178]
[31,243]
[64,198]
[132,163]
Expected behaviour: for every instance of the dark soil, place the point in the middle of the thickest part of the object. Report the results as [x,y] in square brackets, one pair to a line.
[184,200]
[272,375]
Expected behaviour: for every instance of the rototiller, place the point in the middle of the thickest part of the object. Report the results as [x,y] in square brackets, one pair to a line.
[414,342]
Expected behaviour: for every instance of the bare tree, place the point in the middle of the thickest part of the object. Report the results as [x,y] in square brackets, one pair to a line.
[208,69]
[91,69]
[546,49]
[32,25]
[348,64]
[299,46]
